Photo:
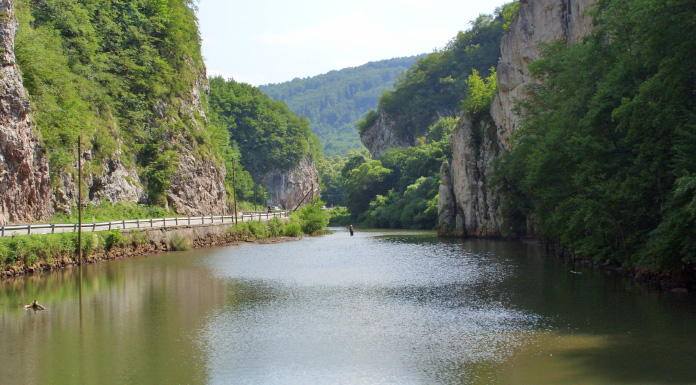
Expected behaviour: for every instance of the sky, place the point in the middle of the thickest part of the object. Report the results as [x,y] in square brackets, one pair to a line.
[273,41]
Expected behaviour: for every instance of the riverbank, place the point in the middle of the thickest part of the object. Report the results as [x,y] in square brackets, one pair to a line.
[37,253]
[678,281]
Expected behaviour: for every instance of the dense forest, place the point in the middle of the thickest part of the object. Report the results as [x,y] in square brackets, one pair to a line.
[267,134]
[436,85]
[606,160]
[335,101]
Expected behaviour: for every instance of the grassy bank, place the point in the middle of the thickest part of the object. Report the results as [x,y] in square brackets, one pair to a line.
[21,254]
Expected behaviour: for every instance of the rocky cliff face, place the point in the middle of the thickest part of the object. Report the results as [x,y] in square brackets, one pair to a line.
[381,137]
[25,193]
[198,186]
[288,189]
[477,142]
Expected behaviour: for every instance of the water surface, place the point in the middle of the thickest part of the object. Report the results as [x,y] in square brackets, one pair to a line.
[376,308]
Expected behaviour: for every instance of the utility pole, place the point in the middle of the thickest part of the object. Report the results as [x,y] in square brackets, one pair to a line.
[234,189]
[79,200]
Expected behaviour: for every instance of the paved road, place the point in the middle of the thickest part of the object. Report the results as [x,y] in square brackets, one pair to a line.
[10,230]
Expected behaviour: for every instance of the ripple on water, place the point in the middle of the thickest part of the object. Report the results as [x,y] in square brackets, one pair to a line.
[382,310]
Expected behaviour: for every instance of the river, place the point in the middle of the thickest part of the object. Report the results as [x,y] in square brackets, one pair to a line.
[377,308]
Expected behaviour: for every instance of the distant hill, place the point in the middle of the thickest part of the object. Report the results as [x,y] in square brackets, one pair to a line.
[335,101]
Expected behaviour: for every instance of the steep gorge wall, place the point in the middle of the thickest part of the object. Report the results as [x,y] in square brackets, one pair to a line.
[469,207]
[25,193]
[381,137]
[198,186]
[288,189]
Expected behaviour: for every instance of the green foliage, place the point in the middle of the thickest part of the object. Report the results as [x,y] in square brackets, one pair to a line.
[179,243]
[334,101]
[292,228]
[100,69]
[339,216]
[367,122]
[275,227]
[442,130]
[114,238]
[249,230]
[269,135]
[415,208]
[435,86]
[605,161]
[139,238]
[479,92]
[312,218]
[106,212]
[364,183]
[30,249]
[399,190]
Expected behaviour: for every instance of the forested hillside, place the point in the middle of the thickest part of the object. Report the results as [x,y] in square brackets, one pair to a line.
[436,85]
[606,160]
[126,77]
[267,133]
[272,141]
[335,101]
[400,189]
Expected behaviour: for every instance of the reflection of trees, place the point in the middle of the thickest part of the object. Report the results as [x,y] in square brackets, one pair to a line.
[139,323]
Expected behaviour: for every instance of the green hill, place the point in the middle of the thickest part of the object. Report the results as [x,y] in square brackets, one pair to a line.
[335,101]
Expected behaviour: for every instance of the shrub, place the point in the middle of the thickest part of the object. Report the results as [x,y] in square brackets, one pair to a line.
[258,229]
[179,243]
[139,237]
[275,227]
[292,229]
[312,218]
[114,238]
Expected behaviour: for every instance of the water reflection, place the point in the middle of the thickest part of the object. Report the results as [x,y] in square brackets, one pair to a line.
[134,322]
[376,308]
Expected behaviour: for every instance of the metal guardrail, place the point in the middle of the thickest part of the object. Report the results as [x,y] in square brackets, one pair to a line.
[53,228]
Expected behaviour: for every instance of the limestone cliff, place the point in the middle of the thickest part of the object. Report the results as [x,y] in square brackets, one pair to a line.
[477,142]
[25,193]
[288,189]
[381,137]
[198,186]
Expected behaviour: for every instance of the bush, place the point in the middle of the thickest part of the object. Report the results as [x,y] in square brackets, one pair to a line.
[312,218]
[139,237]
[258,229]
[179,243]
[239,231]
[114,238]
[275,227]
[292,229]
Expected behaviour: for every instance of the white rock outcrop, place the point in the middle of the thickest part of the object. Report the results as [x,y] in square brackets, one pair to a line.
[298,186]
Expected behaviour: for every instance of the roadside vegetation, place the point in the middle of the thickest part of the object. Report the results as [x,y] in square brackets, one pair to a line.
[28,253]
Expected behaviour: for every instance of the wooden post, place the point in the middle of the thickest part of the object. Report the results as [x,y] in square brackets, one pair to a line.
[79,199]
[234,190]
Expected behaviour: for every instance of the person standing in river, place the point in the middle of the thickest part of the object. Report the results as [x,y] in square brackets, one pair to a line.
[351,230]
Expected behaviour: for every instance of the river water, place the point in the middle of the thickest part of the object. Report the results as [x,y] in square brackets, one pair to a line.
[376,308]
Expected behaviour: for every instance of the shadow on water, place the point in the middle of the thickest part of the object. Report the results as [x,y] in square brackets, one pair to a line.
[625,334]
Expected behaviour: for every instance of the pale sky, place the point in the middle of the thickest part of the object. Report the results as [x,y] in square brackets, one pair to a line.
[272,41]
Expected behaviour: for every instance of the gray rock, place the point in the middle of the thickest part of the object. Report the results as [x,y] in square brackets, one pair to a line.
[25,193]
[298,186]
[539,21]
